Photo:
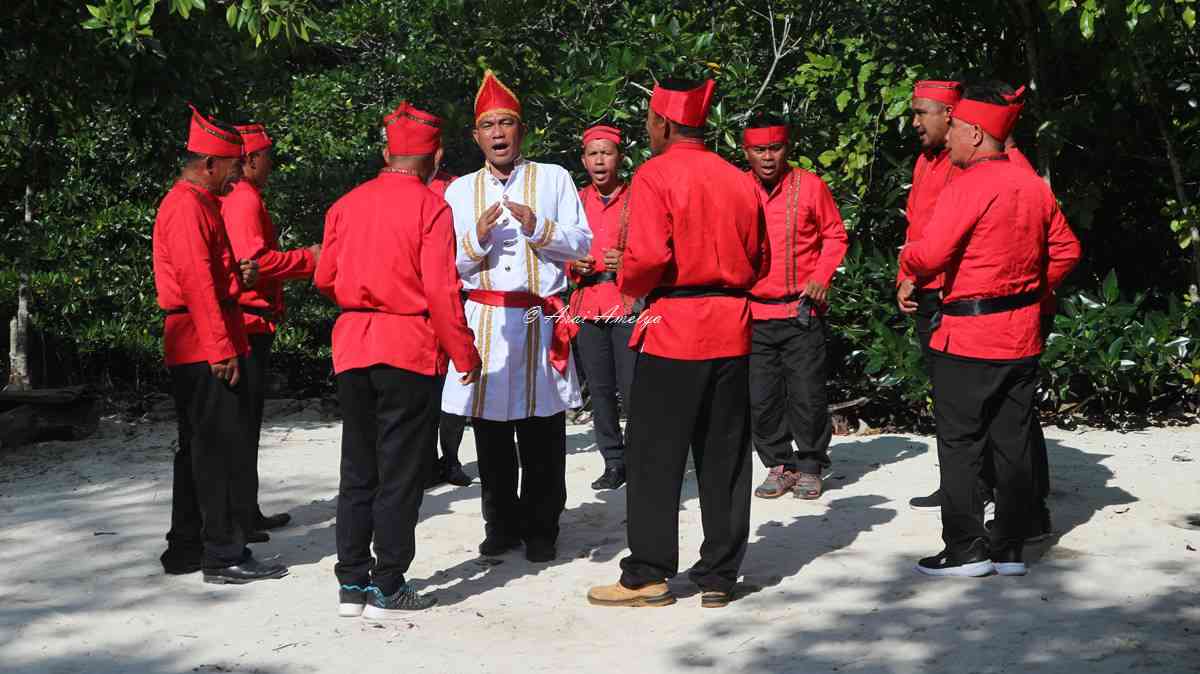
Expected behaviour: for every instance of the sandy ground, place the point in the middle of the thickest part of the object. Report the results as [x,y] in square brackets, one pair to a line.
[829,584]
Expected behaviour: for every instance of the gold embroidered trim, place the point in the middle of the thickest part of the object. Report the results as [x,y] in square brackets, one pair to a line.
[485,276]
[546,236]
[484,346]
[469,249]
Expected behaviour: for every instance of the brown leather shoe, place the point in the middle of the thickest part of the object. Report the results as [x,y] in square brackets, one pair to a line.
[808,486]
[653,595]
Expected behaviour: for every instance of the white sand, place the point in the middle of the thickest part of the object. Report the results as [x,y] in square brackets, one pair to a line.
[1118,591]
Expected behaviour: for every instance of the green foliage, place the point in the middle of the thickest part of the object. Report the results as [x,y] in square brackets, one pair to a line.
[94,117]
[1115,357]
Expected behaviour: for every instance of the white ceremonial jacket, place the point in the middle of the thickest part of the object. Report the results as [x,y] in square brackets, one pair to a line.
[518,380]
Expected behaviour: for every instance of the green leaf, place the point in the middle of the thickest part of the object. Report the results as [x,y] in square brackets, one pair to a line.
[274,29]
[828,157]
[231,15]
[1087,24]
[146,14]
[843,100]
[1189,17]
[1111,289]
[95,11]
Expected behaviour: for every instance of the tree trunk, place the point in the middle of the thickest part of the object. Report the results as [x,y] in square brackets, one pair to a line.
[1143,84]
[1025,10]
[18,329]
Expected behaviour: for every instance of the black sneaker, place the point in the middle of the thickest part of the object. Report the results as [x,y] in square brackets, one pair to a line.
[972,562]
[613,478]
[396,606]
[351,600]
[931,503]
[455,475]
[1008,562]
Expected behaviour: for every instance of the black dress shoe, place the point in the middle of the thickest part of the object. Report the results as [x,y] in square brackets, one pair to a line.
[930,503]
[455,475]
[257,537]
[180,562]
[247,571]
[540,552]
[972,561]
[266,522]
[498,545]
[613,478]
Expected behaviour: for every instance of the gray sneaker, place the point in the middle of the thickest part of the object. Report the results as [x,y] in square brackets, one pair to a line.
[779,482]
[394,607]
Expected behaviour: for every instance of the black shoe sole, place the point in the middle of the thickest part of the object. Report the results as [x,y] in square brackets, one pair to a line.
[181,570]
[497,550]
[222,580]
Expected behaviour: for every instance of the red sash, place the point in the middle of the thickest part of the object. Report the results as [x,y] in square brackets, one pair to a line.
[564,328]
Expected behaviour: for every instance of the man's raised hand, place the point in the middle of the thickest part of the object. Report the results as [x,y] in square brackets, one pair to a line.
[523,214]
[487,222]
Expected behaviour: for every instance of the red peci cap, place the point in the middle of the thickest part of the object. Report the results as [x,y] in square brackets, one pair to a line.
[765,135]
[602,132]
[254,138]
[997,120]
[689,108]
[493,96]
[411,131]
[206,138]
[947,92]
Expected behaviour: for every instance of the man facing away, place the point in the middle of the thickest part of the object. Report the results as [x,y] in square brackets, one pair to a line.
[1003,245]
[387,262]
[204,341]
[693,248]
[603,313]
[788,368]
[253,236]
[517,224]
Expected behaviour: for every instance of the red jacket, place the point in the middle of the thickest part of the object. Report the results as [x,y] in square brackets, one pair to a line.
[194,268]
[694,220]
[807,240]
[253,236]
[931,174]
[440,182]
[997,231]
[389,249]
[601,299]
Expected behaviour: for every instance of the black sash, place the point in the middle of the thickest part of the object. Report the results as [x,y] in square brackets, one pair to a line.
[694,291]
[788,299]
[991,305]
[596,279]
[175,311]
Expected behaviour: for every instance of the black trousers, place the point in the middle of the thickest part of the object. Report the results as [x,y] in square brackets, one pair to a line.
[787,395]
[210,508]
[532,513]
[450,433]
[258,361]
[389,427]
[608,363]
[928,304]
[981,403]
[701,405]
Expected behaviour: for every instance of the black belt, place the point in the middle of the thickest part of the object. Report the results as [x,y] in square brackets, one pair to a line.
[695,291]
[596,279]
[991,305]
[175,311]
[788,299]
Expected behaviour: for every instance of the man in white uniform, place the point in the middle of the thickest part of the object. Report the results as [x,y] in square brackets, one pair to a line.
[517,223]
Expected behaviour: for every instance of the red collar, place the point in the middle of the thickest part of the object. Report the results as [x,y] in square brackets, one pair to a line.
[613,197]
[693,144]
[999,156]
[199,191]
